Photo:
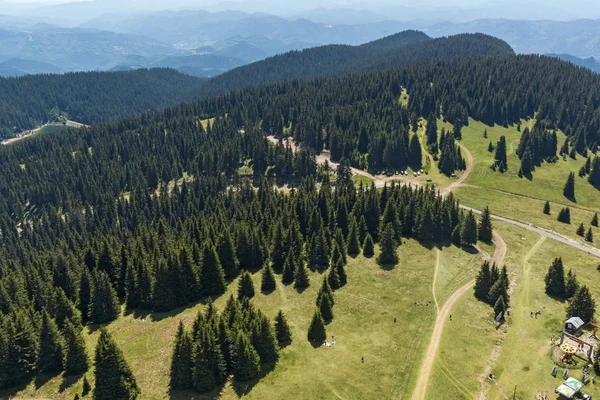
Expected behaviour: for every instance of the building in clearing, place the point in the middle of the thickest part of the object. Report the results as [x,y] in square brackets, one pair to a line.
[574,324]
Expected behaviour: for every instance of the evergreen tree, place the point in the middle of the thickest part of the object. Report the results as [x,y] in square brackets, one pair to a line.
[282,330]
[594,177]
[353,243]
[246,362]
[368,246]
[483,283]
[547,208]
[571,285]
[582,305]
[589,236]
[289,270]
[415,155]
[341,273]
[389,246]
[594,221]
[316,330]
[228,256]
[569,189]
[500,306]
[76,359]
[114,379]
[500,155]
[325,290]
[105,305]
[268,283]
[51,346]
[212,278]
[264,341]
[301,279]
[491,147]
[499,291]
[245,287]
[564,215]
[581,230]
[209,364]
[455,236]
[468,232]
[333,278]
[164,296]
[278,256]
[325,307]
[555,279]
[181,362]
[85,294]
[485,226]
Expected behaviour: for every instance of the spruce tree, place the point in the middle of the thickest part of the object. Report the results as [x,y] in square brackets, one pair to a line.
[316,330]
[341,273]
[455,235]
[497,291]
[389,246]
[569,188]
[333,278]
[325,307]
[485,226]
[594,221]
[264,341]
[581,230]
[571,284]
[301,279]
[468,232]
[76,359]
[325,290]
[212,278]
[289,270]
[228,256]
[282,330]
[164,297]
[589,237]
[246,362]
[267,284]
[555,279]
[582,305]
[105,305]
[483,283]
[51,346]
[500,306]
[85,294]
[209,364]
[500,156]
[547,208]
[245,287]
[181,362]
[368,246]
[353,243]
[114,379]
[564,215]
[278,256]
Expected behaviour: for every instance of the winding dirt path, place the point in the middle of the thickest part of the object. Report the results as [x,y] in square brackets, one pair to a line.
[464,175]
[443,316]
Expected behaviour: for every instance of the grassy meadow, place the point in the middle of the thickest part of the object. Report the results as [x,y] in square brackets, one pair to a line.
[363,327]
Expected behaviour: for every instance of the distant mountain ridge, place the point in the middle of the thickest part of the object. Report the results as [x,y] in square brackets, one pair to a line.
[408,47]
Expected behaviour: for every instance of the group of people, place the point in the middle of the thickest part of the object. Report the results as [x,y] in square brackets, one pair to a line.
[329,344]
[532,314]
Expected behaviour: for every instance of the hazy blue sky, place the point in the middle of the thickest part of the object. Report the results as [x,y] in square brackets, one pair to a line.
[393,9]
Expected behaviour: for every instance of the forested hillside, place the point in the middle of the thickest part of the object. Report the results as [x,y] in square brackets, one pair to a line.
[404,48]
[87,97]
[154,212]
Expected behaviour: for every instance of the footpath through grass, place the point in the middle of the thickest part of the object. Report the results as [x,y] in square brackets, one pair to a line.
[363,327]
[518,353]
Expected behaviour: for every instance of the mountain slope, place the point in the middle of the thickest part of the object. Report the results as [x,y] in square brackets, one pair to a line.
[88,97]
[405,48]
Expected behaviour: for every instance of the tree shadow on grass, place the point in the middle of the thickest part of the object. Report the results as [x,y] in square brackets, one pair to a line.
[243,388]
[42,379]
[144,314]
[470,249]
[388,266]
[68,381]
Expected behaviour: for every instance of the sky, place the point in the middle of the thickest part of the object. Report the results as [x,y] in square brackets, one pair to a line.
[393,9]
